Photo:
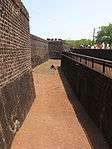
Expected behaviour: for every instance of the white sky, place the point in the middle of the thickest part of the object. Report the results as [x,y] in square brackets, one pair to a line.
[68,19]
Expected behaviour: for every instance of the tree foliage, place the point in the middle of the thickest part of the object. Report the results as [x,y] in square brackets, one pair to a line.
[105,35]
[78,43]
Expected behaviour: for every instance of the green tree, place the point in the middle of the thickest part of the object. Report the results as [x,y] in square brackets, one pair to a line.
[105,35]
[78,43]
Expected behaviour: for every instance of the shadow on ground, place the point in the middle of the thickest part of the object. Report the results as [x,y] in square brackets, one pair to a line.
[94,135]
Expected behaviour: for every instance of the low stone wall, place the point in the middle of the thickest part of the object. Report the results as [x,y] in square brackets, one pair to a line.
[39,50]
[94,91]
[98,53]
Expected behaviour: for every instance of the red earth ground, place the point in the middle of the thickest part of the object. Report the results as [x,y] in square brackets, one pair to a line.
[53,121]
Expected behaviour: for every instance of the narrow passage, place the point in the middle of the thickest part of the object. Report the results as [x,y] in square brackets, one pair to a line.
[52,122]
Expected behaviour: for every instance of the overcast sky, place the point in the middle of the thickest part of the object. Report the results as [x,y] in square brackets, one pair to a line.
[68,19]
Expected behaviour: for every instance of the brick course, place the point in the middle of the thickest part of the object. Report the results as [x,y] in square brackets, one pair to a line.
[15,55]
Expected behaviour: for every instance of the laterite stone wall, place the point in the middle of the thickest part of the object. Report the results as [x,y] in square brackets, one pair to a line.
[98,53]
[94,90]
[56,46]
[16,81]
[39,50]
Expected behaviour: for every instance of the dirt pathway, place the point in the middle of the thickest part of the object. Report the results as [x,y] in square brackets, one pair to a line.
[52,122]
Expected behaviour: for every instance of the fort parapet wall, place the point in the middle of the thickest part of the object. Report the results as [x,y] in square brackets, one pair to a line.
[98,53]
[39,50]
[16,81]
